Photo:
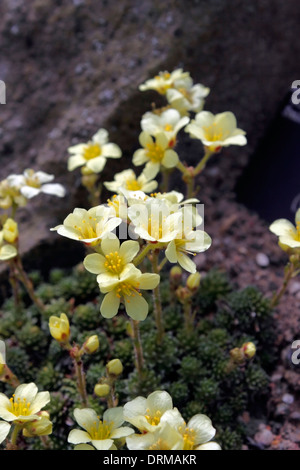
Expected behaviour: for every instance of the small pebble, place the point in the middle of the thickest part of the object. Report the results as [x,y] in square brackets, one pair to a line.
[262,260]
[288,398]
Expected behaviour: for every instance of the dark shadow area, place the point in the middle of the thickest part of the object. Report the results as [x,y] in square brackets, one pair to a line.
[270,184]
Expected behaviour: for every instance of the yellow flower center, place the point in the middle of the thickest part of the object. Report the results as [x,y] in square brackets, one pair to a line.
[127,289]
[92,151]
[101,430]
[114,263]
[154,152]
[19,407]
[213,133]
[156,226]
[154,420]
[32,180]
[87,229]
[297,235]
[133,185]
[160,444]
[189,437]
[168,127]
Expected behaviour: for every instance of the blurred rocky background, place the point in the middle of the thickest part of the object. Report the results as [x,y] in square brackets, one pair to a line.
[73,66]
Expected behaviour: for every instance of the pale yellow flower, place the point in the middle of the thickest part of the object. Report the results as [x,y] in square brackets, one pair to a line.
[31,183]
[146,413]
[88,226]
[93,154]
[289,234]
[196,434]
[186,97]
[126,287]
[163,81]
[164,437]
[101,434]
[192,242]
[114,259]
[24,405]
[216,131]
[169,123]
[153,221]
[10,196]
[156,153]
[127,179]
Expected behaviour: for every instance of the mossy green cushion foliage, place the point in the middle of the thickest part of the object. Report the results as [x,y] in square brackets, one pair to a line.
[192,367]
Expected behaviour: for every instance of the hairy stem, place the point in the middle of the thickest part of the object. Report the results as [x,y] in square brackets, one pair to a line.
[138,350]
[157,302]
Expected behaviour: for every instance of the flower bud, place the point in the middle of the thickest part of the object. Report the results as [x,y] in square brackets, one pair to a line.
[114,367]
[237,356]
[10,231]
[91,344]
[101,390]
[249,350]
[176,275]
[39,427]
[183,294]
[193,281]
[60,328]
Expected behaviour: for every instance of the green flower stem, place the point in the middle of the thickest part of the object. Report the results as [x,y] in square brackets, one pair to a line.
[23,277]
[203,161]
[14,436]
[112,399]
[161,265]
[181,167]
[139,258]
[81,385]
[157,301]
[13,279]
[138,350]
[165,179]
[289,273]
[189,173]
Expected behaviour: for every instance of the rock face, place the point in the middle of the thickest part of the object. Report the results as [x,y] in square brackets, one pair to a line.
[71,67]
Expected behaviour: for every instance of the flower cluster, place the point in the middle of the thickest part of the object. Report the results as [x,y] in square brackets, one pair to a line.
[161,426]
[158,222]
[24,412]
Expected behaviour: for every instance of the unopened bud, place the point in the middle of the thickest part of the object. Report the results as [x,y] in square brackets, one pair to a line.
[101,390]
[176,275]
[237,356]
[193,281]
[183,294]
[39,427]
[10,231]
[60,328]
[91,344]
[114,367]
[249,350]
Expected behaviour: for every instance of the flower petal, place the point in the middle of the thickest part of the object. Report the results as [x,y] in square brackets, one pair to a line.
[110,305]
[4,430]
[94,263]
[136,307]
